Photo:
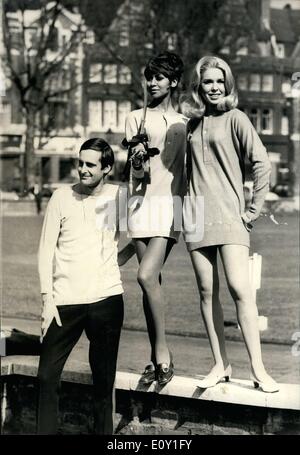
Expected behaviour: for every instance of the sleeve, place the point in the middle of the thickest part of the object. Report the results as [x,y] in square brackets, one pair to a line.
[122,208]
[131,129]
[253,147]
[131,126]
[48,241]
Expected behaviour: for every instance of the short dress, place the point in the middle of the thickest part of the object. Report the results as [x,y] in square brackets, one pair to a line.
[218,146]
[155,201]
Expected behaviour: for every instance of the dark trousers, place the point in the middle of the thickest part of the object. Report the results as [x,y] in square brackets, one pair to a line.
[102,322]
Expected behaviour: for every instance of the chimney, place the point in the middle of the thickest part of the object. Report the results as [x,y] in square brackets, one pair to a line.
[259,10]
[265,6]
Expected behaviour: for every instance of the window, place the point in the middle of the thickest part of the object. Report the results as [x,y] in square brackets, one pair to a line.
[124,38]
[242,51]
[110,74]
[148,45]
[267,121]
[286,85]
[5,113]
[67,79]
[124,75]
[2,82]
[95,72]
[284,123]
[15,38]
[64,40]
[242,81]
[90,37]
[253,115]
[225,50]
[124,108]
[57,115]
[30,37]
[267,83]
[171,41]
[110,114]
[280,50]
[95,114]
[53,39]
[265,48]
[254,83]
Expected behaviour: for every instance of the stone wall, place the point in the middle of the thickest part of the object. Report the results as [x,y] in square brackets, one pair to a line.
[179,408]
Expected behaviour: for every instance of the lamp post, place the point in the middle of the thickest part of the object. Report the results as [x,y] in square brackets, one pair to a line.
[293,98]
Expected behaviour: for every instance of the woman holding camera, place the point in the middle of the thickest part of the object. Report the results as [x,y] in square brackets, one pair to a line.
[157,185]
[220,138]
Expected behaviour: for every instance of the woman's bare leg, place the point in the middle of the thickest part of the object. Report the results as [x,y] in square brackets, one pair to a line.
[205,266]
[152,254]
[235,259]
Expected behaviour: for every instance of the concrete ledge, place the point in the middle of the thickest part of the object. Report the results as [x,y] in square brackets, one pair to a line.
[237,391]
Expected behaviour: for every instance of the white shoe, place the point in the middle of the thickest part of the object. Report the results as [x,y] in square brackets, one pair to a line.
[267,386]
[213,379]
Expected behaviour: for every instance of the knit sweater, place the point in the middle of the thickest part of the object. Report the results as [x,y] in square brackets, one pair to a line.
[78,252]
[218,147]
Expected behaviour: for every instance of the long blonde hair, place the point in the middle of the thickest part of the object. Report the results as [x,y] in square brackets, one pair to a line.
[192,104]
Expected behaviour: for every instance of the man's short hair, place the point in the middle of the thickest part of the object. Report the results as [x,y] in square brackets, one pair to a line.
[101,146]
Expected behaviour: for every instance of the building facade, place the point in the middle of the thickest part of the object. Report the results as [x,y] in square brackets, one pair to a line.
[58,126]
[266,73]
[109,75]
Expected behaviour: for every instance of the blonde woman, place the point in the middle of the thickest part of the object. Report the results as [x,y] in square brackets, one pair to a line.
[220,138]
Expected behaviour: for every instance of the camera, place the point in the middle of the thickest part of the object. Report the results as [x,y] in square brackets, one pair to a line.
[137,162]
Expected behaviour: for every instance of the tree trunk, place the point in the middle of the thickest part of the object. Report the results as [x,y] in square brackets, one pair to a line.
[28,174]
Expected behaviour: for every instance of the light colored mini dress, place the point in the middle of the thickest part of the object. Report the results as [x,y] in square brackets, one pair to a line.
[155,201]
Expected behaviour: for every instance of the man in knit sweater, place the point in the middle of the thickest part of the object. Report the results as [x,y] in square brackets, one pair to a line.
[81,286]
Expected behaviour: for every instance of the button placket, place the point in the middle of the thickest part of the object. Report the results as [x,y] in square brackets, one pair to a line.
[206,155]
[168,140]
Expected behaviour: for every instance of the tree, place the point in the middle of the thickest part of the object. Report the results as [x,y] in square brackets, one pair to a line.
[41,71]
[190,28]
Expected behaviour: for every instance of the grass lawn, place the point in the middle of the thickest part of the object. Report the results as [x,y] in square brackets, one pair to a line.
[278,298]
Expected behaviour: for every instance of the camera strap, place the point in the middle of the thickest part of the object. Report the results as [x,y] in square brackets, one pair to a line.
[145,105]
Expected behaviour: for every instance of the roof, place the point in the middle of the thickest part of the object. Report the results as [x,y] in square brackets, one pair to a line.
[32,16]
[286,24]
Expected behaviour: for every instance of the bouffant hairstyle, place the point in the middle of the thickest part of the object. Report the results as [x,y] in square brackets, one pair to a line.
[166,63]
[192,103]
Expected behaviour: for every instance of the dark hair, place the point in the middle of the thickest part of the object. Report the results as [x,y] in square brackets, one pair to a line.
[166,63]
[99,145]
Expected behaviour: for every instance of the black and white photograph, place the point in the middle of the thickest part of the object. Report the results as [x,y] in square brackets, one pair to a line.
[149,191]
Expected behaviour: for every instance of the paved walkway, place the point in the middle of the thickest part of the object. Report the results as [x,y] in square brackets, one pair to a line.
[192,356]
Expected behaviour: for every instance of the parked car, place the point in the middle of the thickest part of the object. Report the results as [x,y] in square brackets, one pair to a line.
[8,196]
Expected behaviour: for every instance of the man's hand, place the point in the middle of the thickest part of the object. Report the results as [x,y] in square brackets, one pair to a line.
[126,253]
[49,311]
